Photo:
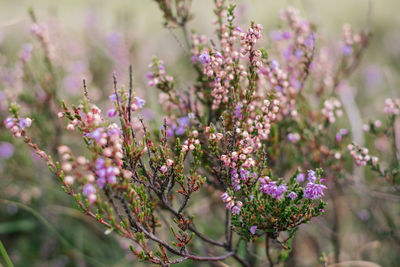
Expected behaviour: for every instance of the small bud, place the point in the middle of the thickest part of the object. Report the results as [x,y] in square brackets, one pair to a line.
[70,127]
[69,179]
[81,160]
[66,167]
[92,198]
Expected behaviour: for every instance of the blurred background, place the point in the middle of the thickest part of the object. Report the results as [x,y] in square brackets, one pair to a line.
[92,39]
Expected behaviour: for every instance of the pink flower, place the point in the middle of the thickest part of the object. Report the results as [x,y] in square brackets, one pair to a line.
[236,210]
[163,169]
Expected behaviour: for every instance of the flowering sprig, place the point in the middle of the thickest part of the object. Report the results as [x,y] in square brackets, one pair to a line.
[387,131]
[273,206]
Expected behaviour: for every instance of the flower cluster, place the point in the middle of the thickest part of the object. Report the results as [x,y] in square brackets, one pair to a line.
[332,110]
[17,125]
[158,77]
[272,188]
[350,40]
[361,156]
[41,32]
[392,106]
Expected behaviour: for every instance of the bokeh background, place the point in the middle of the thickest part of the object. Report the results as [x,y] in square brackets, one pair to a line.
[91,40]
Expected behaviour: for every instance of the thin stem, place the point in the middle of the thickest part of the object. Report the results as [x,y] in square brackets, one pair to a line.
[85,91]
[395,146]
[191,228]
[5,256]
[227,226]
[116,94]
[130,93]
[335,227]
[241,260]
[271,263]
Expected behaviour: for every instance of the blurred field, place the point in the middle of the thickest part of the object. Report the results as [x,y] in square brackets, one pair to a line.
[53,233]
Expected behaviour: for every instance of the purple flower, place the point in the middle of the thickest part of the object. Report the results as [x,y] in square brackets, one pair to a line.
[343,131]
[6,150]
[347,50]
[236,186]
[112,112]
[236,210]
[364,215]
[171,130]
[287,53]
[183,121]
[309,42]
[100,163]
[286,35]
[295,84]
[25,54]
[253,229]
[113,39]
[9,122]
[280,190]
[204,58]
[311,176]
[97,134]
[194,59]
[300,177]
[238,110]
[274,190]
[274,64]
[298,54]
[113,97]
[180,130]
[88,189]
[244,174]
[314,191]
[292,195]
[293,137]
[338,137]
[110,171]
[105,173]
[111,179]
[218,54]
[139,102]
[149,75]
[25,122]
[101,182]
[114,131]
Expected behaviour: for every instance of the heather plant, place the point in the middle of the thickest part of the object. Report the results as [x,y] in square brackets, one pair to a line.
[37,79]
[261,133]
